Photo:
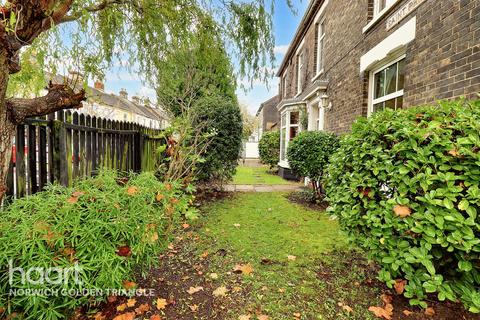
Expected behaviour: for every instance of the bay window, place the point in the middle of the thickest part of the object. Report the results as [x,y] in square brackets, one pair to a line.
[290,128]
[388,84]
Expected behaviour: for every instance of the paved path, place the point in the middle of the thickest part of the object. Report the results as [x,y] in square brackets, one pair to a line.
[262,188]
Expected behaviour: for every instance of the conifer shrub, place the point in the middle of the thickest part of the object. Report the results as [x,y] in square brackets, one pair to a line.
[104,227]
[405,185]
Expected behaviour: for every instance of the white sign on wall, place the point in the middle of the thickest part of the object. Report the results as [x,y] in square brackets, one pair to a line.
[401,13]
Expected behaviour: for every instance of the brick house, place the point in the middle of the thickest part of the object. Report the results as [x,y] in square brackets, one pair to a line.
[351,58]
[268,116]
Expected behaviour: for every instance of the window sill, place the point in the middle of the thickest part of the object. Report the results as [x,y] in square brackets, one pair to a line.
[318,75]
[378,17]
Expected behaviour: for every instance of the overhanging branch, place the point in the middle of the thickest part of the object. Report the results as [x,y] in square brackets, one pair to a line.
[93,8]
[59,97]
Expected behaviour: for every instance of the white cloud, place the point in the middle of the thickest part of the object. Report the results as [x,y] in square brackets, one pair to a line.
[282,49]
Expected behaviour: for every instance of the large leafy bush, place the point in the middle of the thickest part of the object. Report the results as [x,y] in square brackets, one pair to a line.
[405,185]
[221,116]
[309,154]
[107,225]
[269,148]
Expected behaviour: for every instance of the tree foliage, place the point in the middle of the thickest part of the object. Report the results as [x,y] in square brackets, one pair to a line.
[197,85]
[405,185]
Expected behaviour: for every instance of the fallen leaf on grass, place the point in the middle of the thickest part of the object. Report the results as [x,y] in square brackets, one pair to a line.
[387,299]
[297,315]
[155,317]
[236,225]
[142,309]
[131,302]
[132,190]
[125,316]
[193,290]
[243,268]
[129,285]
[122,307]
[400,286]
[220,292]
[124,251]
[381,312]
[263,317]
[454,153]
[185,226]
[194,308]
[402,211]
[291,258]
[98,316]
[407,312]
[345,307]
[430,312]
[161,303]
[159,197]
[214,276]
[236,289]
[244,317]
[204,255]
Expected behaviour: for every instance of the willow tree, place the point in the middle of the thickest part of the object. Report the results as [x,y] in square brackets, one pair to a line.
[90,35]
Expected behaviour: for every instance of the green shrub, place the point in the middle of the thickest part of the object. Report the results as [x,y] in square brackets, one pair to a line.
[405,185]
[107,225]
[309,154]
[222,116]
[269,148]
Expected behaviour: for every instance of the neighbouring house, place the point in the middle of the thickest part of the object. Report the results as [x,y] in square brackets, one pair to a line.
[267,116]
[351,58]
[117,107]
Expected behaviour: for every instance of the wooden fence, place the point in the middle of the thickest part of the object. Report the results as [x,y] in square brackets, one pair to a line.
[65,146]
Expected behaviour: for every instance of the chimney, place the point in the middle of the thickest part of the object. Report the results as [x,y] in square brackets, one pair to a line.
[123,93]
[99,85]
[136,99]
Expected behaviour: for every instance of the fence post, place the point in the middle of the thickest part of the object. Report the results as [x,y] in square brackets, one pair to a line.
[42,156]
[20,161]
[59,149]
[32,159]
[138,142]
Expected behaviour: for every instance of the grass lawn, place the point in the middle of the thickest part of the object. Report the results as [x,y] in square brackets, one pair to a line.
[258,176]
[289,248]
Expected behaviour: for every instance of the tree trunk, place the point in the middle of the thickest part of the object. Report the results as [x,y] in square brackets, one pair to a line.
[7,128]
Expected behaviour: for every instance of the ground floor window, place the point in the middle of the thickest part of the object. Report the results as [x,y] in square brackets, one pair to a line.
[290,128]
[388,84]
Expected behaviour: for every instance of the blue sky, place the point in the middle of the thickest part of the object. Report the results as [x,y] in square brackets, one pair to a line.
[285,25]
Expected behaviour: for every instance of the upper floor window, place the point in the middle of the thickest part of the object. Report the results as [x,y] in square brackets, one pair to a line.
[388,84]
[300,64]
[380,5]
[320,46]
[284,85]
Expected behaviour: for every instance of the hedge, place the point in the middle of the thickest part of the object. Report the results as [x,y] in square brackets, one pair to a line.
[405,185]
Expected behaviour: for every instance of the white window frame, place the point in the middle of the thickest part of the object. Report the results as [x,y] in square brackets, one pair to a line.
[371,94]
[300,67]
[320,57]
[379,14]
[284,85]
